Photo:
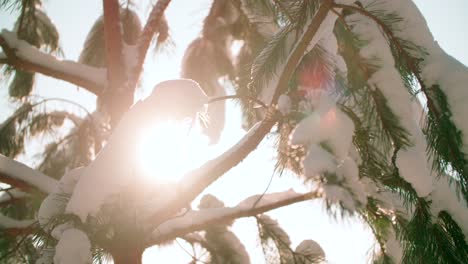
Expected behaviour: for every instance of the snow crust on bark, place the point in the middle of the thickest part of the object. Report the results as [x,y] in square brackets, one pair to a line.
[29,53]
[21,172]
[114,169]
[6,196]
[8,222]
[194,218]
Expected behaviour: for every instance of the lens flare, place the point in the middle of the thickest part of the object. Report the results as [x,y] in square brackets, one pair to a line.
[168,150]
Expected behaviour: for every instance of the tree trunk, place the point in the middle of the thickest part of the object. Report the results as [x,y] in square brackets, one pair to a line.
[117,96]
[127,255]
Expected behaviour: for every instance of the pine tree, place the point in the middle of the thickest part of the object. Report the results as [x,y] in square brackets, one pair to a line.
[366,108]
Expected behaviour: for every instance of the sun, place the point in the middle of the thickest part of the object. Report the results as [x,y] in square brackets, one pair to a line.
[167,150]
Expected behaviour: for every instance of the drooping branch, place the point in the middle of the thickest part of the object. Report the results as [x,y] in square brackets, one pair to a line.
[252,206]
[24,178]
[412,65]
[394,40]
[22,55]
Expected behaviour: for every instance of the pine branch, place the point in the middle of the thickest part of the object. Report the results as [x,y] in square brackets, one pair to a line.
[197,180]
[203,219]
[144,41]
[24,178]
[11,195]
[23,56]
[298,49]
[10,223]
[270,231]
[437,119]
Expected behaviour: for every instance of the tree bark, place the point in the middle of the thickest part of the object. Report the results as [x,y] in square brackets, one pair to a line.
[118,96]
[128,255]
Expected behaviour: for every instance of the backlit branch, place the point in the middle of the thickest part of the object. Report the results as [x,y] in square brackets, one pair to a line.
[22,55]
[197,180]
[10,223]
[24,178]
[144,41]
[202,219]
[10,196]
[300,48]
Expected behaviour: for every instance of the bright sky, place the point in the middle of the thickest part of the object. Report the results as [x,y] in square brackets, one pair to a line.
[343,242]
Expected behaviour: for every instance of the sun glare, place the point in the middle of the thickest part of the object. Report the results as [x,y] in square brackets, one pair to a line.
[167,150]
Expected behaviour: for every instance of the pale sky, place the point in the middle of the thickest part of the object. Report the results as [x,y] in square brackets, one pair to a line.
[343,242]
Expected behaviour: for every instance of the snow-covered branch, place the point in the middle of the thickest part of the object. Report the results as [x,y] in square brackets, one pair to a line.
[201,219]
[12,195]
[197,180]
[10,223]
[23,177]
[3,58]
[22,55]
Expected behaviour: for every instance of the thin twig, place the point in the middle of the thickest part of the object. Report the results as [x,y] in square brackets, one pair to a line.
[342,19]
[299,49]
[221,98]
[192,227]
[264,191]
[283,10]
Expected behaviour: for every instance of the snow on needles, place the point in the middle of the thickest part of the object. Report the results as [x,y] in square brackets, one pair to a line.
[438,68]
[327,126]
[310,252]
[284,104]
[221,238]
[73,247]
[54,204]
[411,161]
